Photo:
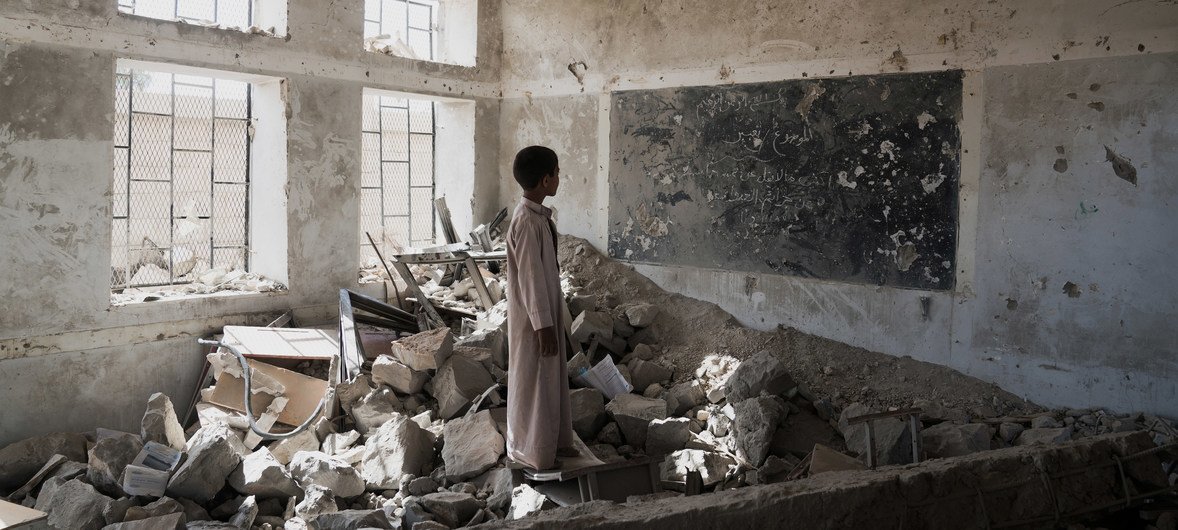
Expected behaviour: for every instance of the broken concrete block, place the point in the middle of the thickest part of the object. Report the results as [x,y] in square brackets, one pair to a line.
[107,460]
[314,467]
[593,324]
[162,506]
[116,510]
[420,486]
[399,447]
[893,438]
[316,500]
[525,501]
[472,445]
[426,350]
[610,434]
[642,315]
[494,340]
[159,423]
[263,475]
[825,459]
[457,383]
[213,453]
[684,397]
[667,435]
[1045,422]
[588,412]
[171,521]
[19,461]
[763,372]
[393,373]
[450,508]
[633,414]
[77,505]
[947,439]
[646,373]
[244,518]
[374,409]
[712,467]
[580,303]
[756,421]
[349,393]
[285,449]
[1044,436]
[335,443]
[351,520]
[1009,431]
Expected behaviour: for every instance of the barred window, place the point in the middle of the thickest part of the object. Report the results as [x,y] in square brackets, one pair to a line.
[397,181]
[406,28]
[181,176]
[263,16]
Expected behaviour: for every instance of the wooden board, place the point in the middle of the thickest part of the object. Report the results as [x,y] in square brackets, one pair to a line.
[850,179]
[303,392]
[17,516]
[283,343]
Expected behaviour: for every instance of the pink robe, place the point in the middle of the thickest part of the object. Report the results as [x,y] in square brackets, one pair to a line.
[539,419]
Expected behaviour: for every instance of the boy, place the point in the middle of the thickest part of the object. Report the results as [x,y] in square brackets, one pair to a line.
[539,420]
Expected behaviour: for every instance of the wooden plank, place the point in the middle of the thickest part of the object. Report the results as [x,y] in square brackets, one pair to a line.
[303,393]
[282,343]
[476,278]
[422,299]
[16,516]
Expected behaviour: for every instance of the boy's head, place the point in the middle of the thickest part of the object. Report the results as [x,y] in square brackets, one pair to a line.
[537,168]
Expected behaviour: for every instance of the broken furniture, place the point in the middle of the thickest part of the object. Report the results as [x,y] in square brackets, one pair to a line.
[448,255]
[614,481]
[382,315]
[913,415]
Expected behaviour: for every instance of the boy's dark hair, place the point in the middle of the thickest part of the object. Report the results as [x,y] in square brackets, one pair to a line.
[532,164]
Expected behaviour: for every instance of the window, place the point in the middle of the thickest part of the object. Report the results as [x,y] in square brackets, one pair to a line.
[184,145]
[265,15]
[427,30]
[397,180]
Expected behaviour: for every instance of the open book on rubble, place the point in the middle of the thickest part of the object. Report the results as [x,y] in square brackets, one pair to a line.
[605,377]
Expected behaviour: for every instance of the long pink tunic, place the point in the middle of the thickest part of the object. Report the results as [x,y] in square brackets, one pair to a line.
[539,419]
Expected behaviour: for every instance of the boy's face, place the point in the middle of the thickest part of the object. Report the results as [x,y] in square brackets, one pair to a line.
[550,183]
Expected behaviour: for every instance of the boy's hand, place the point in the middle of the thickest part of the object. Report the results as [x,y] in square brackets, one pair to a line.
[547,339]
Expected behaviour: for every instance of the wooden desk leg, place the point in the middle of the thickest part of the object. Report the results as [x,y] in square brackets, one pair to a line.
[479,285]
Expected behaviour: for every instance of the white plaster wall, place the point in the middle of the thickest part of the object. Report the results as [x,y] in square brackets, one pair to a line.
[639,45]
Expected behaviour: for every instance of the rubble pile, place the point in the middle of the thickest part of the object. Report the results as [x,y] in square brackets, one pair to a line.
[416,440]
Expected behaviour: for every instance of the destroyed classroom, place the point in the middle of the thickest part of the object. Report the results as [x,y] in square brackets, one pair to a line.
[887,264]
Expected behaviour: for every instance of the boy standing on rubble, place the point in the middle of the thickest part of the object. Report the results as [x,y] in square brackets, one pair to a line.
[539,420]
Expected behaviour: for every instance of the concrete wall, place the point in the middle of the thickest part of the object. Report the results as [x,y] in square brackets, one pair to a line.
[70,361]
[1020,220]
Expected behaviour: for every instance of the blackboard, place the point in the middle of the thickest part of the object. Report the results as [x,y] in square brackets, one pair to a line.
[850,179]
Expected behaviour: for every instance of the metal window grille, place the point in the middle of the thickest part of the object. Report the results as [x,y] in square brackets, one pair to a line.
[397,181]
[181,177]
[225,13]
[411,22]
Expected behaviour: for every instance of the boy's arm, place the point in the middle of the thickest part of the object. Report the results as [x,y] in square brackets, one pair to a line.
[532,278]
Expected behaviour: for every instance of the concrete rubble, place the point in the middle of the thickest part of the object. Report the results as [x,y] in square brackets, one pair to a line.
[406,447]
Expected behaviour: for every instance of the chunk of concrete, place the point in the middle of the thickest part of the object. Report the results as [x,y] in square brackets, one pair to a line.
[824,459]
[335,443]
[1045,422]
[712,467]
[316,500]
[244,518]
[756,421]
[263,475]
[947,439]
[349,393]
[457,383]
[116,510]
[610,434]
[374,409]
[1009,431]
[314,467]
[646,373]
[213,453]
[395,374]
[159,423]
[1044,436]
[893,438]
[667,435]
[642,315]
[591,324]
[426,350]
[685,396]
[285,449]
[420,486]
[351,520]
[77,505]
[525,501]
[763,372]
[161,506]
[472,446]
[399,447]
[588,412]
[580,303]
[19,461]
[171,521]
[450,508]
[107,460]
[633,414]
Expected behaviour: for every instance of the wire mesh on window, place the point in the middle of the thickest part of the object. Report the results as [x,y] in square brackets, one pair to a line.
[224,13]
[181,177]
[397,173]
[409,24]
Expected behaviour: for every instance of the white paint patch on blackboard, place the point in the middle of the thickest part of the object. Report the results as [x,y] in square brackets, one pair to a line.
[846,183]
[931,182]
[924,119]
[888,148]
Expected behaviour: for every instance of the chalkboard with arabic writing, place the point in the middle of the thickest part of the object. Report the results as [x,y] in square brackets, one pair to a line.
[851,179]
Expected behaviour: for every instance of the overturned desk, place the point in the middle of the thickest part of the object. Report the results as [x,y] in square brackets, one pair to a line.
[572,484]
[447,256]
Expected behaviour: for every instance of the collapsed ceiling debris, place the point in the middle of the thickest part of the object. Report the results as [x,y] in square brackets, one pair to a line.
[413,436]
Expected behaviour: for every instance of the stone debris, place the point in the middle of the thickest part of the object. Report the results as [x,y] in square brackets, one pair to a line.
[425,351]
[159,423]
[395,374]
[588,412]
[374,409]
[169,521]
[19,461]
[450,508]
[713,467]
[756,421]
[108,458]
[893,439]
[525,501]
[263,475]
[473,445]
[1044,436]
[762,372]
[351,520]
[668,435]
[314,467]
[213,453]
[458,382]
[77,505]
[641,315]
[948,439]
[284,450]
[646,373]
[593,324]
[399,447]
[316,500]
[633,414]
